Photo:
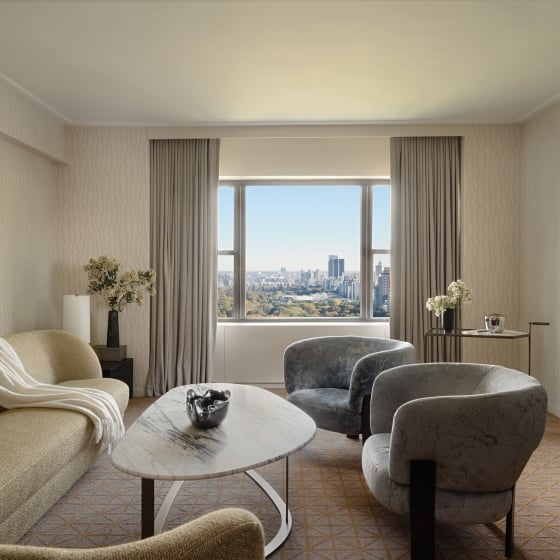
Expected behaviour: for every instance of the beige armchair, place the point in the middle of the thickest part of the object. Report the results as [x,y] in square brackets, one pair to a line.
[228,534]
[448,444]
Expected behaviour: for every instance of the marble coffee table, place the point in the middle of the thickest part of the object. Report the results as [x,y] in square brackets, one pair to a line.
[162,444]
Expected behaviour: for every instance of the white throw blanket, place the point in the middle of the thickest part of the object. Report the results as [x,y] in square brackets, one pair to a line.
[18,389]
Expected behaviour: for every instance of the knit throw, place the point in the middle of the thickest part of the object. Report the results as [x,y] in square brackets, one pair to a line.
[19,390]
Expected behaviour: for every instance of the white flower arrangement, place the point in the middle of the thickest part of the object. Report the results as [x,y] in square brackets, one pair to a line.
[117,292]
[457,293]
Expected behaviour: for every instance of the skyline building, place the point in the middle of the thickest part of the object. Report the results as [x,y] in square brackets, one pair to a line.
[382,289]
[335,267]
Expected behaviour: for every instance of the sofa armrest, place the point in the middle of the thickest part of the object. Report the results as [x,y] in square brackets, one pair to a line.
[227,534]
[54,356]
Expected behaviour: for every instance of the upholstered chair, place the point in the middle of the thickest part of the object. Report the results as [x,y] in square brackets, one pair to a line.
[330,377]
[448,444]
[227,534]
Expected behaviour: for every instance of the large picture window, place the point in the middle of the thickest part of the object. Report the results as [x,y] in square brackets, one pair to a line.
[304,250]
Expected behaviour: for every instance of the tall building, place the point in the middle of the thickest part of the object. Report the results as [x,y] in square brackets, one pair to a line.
[382,290]
[378,270]
[335,267]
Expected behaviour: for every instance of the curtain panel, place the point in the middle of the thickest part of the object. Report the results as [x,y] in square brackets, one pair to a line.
[184,177]
[425,235]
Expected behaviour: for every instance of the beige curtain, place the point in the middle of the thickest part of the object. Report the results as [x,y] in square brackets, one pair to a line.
[184,192]
[425,236]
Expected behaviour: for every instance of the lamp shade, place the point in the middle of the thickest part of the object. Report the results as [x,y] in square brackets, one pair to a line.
[76,316]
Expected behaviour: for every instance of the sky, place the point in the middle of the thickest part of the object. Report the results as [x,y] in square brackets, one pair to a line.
[298,227]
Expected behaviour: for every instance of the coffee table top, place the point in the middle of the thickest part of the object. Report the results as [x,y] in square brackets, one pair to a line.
[260,428]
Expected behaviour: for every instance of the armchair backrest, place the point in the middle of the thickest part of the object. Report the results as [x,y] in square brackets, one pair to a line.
[391,354]
[328,361]
[479,423]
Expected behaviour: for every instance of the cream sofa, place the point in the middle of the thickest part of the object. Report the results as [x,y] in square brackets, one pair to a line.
[227,534]
[44,451]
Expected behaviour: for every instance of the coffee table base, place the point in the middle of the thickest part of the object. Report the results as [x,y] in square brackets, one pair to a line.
[151,526]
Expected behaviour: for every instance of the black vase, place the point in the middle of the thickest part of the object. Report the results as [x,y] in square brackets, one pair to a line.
[113,329]
[448,320]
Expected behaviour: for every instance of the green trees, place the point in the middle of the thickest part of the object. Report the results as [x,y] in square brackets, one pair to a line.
[272,302]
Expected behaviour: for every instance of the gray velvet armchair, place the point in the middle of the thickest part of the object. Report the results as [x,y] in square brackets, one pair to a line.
[331,377]
[449,442]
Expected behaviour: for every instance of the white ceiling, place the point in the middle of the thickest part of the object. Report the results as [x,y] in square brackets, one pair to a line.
[284,61]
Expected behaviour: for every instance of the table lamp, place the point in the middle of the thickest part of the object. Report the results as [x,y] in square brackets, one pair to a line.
[76,315]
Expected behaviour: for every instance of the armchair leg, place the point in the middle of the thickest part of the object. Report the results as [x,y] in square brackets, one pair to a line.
[422,509]
[509,526]
[366,427]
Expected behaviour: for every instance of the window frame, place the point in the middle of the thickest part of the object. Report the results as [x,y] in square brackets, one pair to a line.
[367,251]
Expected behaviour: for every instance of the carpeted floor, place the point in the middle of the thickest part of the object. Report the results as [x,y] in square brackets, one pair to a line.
[334,516]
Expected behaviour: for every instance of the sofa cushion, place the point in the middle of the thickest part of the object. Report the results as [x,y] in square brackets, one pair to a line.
[35,443]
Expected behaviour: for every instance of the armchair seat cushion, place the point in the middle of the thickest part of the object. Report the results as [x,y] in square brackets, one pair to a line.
[451,507]
[329,408]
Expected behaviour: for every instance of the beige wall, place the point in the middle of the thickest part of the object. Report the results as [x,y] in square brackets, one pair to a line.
[540,242]
[26,123]
[30,142]
[104,209]
[28,186]
[490,237]
[304,157]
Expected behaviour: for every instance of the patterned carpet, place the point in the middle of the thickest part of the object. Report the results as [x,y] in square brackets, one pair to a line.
[334,516]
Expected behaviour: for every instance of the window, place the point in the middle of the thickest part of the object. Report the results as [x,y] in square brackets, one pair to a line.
[304,250]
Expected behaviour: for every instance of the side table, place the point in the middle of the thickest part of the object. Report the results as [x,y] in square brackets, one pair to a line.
[481,334]
[122,370]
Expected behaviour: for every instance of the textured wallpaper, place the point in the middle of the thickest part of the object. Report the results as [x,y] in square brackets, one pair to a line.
[540,242]
[28,185]
[104,207]
[490,238]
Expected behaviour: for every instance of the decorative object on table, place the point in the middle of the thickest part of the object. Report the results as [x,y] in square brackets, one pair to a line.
[444,306]
[76,315]
[495,323]
[103,279]
[448,320]
[207,410]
